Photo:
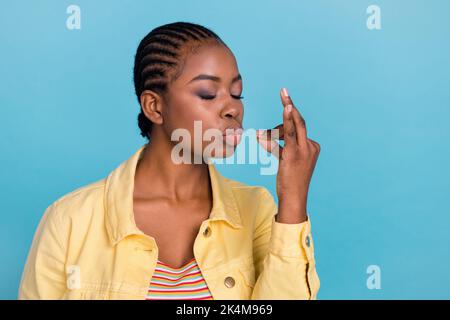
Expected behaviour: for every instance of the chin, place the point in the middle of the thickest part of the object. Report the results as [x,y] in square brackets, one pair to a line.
[225,152]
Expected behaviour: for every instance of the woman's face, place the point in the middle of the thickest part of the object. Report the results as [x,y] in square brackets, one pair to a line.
[208,90]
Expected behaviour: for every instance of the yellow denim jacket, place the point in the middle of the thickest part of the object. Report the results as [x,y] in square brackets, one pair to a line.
[87,245]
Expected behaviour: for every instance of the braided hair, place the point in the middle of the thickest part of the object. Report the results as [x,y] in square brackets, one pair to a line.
[159,59]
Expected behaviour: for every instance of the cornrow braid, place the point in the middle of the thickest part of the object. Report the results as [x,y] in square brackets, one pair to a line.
[159,56]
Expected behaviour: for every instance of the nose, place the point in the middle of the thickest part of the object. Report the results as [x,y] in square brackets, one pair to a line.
[232,111]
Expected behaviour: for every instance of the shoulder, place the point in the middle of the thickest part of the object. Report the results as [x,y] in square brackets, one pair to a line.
[66,212]
[81,201]
[254,201]
[249,192]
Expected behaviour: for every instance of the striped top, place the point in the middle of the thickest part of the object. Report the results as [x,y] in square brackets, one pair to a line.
[184,283]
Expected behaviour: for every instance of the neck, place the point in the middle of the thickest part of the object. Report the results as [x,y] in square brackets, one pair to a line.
[158,176]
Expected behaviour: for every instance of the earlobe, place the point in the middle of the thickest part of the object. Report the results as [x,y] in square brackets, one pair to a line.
[151,106]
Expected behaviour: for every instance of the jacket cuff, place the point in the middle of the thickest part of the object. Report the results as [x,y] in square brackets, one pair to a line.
[292,240]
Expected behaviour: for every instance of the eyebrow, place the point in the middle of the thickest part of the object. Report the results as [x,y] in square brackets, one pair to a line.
[213,78]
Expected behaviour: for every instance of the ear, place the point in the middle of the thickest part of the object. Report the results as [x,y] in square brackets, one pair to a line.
[151,104]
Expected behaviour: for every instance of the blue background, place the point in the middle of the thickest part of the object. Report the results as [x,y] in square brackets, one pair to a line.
[377,101]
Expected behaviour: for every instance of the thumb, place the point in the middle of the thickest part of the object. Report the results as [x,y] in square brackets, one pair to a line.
[269,145]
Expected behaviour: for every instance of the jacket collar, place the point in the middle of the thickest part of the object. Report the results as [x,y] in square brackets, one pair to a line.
[118,199]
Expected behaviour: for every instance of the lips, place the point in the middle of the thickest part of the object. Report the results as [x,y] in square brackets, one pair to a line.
[233,135]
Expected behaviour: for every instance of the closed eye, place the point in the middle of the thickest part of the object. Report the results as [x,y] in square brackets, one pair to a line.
[211,97]
[206,97]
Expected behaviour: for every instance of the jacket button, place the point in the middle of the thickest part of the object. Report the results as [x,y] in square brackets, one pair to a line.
[308,241]
[207,232]
[229,282]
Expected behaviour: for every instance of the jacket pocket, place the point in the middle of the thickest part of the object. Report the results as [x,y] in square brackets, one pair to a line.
[233,281]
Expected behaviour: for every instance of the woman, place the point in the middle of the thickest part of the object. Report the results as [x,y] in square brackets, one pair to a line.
[156,229]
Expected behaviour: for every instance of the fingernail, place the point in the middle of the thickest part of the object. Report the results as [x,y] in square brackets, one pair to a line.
[285,92]
[259,133]
[288,108]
